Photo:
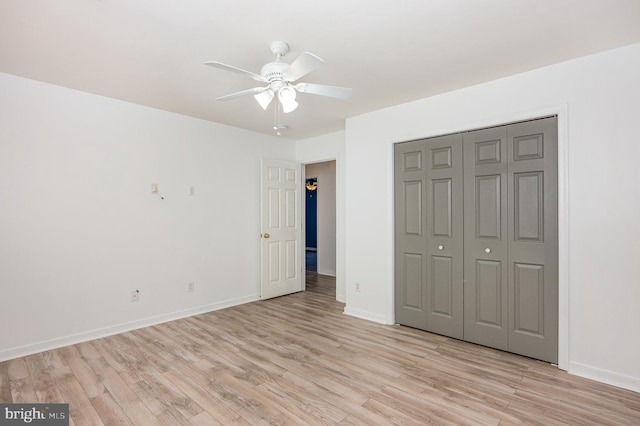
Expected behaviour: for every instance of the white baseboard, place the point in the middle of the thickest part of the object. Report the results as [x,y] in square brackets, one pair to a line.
[328,273]
[370,316]
[605,376]
[30,349]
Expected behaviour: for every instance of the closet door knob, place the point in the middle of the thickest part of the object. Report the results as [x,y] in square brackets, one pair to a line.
[440,247]
[487,250]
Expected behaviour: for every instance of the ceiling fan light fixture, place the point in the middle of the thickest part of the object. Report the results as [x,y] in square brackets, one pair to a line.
[312,184]
[280,77]
[289,107]
[287,97]
[264,98]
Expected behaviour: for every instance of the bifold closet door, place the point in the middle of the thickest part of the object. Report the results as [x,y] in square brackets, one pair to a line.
[485,244]
[511,238]
[476,254]
[533,238]
[429,235]
[410,234]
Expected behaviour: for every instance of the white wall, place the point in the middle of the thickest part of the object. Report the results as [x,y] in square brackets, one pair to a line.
[597,102]
[79,229]
[321,149]
[325,172]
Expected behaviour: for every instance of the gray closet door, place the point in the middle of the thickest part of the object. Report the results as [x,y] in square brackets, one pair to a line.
[410,234]
[511,238]
[445,236]
[429,235]
[533,239]
[480,208]
[485,244]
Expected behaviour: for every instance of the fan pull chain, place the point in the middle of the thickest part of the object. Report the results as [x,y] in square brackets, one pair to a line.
[277,126]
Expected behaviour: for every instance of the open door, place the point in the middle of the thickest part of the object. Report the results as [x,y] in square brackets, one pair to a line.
[281,228]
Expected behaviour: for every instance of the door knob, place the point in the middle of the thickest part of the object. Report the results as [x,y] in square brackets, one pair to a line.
[440,247]
[266,235]
[487,250]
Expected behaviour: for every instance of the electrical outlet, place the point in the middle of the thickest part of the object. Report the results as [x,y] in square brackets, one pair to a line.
[357,287]
[191,286]
[135,296]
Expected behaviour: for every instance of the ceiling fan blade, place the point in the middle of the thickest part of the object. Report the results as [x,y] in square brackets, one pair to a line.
[254,91]
[236,70]
[264,98]
[303,65]
[321,89]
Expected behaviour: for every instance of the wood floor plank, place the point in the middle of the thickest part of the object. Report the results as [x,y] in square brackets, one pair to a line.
[355,411]
[43,381]
[81,409]
[109,411]
[298,359]
[393,416]
[172,417]
[244,400]
[159,397]
[206,419]
[323,412]
[457,393]
[82,371]
[122,393]
[126,367]
[22,388]
[17,369]
[5,384]
[431,407]
[203,397]
[222,399]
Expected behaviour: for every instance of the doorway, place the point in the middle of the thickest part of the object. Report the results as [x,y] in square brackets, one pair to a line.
[320,219]
[311,224]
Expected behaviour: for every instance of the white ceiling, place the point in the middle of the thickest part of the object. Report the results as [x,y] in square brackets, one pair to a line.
[151,52]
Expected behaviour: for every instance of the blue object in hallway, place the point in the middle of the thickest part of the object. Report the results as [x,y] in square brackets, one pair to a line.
[311,220]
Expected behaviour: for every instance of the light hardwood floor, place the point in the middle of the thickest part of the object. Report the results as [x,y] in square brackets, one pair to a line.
[299,360]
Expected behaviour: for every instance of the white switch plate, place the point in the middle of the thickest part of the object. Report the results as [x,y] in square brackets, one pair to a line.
[154,188]
[191,190]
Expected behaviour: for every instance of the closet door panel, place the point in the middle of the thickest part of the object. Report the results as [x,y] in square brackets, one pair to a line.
[429,235]
[533,239]
[485,242]
[445,236]
[410,254]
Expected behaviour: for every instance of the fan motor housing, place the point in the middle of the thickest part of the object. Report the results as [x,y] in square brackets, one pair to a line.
[274,71]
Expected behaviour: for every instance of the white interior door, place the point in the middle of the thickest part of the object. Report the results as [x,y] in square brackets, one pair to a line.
[281,228]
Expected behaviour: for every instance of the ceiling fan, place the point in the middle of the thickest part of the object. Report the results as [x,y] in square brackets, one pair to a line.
[280,77]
